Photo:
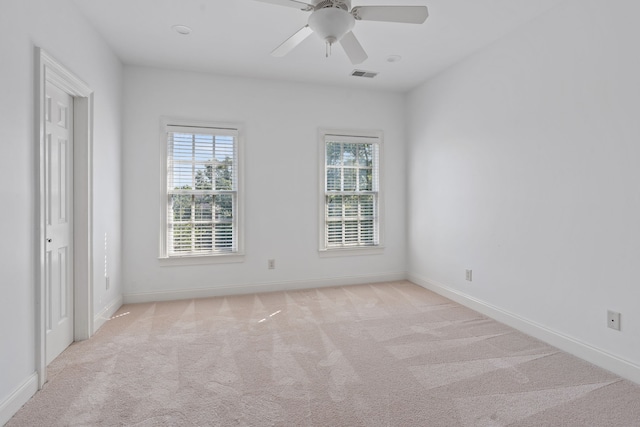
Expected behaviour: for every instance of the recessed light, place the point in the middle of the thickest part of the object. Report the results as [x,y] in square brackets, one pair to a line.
[394,58]
[182,29]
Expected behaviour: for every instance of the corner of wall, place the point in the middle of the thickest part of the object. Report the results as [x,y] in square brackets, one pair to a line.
[591,354]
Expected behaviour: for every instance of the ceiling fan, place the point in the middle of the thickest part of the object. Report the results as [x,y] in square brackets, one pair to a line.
[332,21]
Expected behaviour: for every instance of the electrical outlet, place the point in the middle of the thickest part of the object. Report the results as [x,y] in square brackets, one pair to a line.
[613,320]
[468,275]
[271,264]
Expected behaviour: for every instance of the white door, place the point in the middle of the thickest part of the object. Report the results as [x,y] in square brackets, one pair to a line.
[59,221]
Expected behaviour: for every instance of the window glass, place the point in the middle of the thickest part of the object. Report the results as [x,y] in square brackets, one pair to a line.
[351,198]
[202,191]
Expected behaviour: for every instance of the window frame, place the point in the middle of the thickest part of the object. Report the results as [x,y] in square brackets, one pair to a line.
[167,124]
[357,136]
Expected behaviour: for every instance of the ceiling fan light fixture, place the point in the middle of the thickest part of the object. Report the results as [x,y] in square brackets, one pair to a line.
[331,23]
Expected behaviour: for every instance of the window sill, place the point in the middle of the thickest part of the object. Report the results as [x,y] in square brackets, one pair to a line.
[201,259]
[339,252]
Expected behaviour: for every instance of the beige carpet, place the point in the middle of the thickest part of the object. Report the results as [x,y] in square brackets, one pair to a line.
[389,354]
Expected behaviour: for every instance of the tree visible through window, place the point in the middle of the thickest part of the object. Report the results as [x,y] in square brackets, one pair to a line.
[351,191]
[201,191]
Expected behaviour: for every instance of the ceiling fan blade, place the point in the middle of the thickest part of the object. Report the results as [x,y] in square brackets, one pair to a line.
[292,42]
[353,48]
[404,14]
[290,3]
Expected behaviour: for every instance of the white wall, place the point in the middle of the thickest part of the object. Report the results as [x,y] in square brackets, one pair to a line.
[56,26]
[523,166]
[281,122]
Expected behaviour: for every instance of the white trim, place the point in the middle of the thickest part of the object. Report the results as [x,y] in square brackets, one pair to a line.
[597,356]
[350,135]
[237,130]
[229,258]
[359,251]
[212,129]
[107,312]
[196,123]
[48,70]
[17,398]
[262,287]
[83,217]
[355,135]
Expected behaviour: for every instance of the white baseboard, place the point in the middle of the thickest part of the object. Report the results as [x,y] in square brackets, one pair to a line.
[106,313]
[580,349]
[172,295]
[20,396]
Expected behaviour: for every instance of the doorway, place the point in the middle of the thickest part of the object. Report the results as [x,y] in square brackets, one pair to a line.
[64,105]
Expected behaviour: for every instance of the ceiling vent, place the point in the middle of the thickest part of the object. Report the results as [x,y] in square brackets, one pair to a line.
[362,73]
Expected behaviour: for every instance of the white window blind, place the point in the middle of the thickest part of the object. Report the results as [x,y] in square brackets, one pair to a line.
[202,191]
[351,191]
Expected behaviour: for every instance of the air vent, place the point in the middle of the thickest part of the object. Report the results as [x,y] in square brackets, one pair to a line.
[362,73]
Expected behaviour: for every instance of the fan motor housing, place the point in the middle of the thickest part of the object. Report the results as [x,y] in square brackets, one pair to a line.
[338,4]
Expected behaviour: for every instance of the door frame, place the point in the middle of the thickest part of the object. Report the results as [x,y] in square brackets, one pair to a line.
[48,70]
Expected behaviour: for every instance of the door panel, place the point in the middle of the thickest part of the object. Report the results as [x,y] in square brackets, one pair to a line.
[59,224]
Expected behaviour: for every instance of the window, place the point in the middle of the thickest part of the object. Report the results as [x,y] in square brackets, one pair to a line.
[350,191]
[201,201]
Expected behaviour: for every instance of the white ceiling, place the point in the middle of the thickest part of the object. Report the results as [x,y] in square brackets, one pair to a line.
[235,37]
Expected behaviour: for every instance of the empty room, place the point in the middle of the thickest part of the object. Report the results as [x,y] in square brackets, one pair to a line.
[320,213]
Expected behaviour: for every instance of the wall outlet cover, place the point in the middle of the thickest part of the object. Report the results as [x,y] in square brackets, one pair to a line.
[613,320]
[468,275]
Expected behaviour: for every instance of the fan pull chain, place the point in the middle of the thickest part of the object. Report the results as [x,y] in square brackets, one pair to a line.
[328,50]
